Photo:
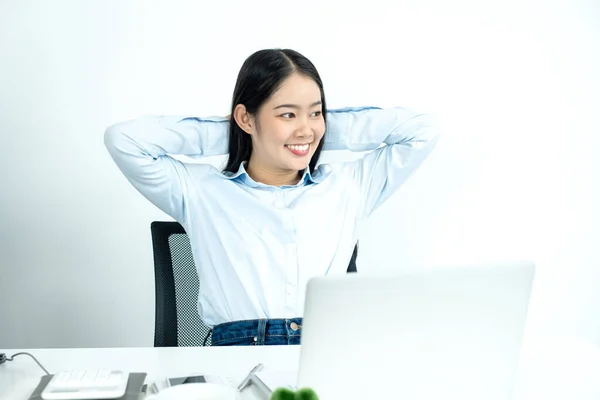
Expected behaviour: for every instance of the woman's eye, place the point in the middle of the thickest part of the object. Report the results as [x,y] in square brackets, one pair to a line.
[287,115]
[317,114]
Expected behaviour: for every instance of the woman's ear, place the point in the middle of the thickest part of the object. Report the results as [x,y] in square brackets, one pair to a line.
[243,119]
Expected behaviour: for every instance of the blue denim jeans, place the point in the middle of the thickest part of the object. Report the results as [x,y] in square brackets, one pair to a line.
[258,332]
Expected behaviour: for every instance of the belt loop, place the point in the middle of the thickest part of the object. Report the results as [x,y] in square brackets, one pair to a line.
[260,335]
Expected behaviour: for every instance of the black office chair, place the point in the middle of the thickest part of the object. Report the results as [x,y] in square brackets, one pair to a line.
[177,322]
[352,264]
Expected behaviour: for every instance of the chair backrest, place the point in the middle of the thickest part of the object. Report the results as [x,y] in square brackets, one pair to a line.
[177,321]
[352,264]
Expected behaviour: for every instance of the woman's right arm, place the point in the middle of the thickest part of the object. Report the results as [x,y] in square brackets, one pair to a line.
[141,149]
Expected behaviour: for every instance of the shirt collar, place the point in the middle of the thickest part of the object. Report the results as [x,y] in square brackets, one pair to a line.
[320,173]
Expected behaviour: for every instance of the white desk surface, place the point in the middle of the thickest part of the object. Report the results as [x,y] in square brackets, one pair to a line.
[548,370]
[19,378]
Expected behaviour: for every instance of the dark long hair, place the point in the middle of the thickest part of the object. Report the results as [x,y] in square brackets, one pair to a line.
[260,76]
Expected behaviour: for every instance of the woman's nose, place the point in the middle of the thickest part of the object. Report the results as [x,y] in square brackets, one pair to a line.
[304,130]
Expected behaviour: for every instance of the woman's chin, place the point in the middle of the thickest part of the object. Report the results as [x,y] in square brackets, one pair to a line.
[300,165]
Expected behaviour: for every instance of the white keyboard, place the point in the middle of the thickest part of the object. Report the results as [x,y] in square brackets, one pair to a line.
[86,384]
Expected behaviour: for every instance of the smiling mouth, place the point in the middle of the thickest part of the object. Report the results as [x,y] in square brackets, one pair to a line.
[298,149]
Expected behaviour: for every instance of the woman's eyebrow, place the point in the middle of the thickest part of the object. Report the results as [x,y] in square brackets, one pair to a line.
[295,106]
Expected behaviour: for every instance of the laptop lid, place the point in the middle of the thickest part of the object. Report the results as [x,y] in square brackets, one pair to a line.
[426,333]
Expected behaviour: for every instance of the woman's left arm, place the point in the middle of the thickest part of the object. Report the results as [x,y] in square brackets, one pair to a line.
[400,140]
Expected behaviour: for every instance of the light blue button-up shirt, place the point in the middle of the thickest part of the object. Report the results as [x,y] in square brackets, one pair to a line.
[255,245]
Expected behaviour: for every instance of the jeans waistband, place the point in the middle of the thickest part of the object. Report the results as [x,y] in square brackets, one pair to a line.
[258,331]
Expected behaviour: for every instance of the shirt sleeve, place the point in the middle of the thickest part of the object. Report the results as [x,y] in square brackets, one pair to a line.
[399,140]
[142,150]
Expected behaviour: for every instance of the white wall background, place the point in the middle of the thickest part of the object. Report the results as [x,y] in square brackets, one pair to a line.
[515,85]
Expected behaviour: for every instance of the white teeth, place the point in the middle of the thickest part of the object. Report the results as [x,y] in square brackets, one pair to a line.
[298,147]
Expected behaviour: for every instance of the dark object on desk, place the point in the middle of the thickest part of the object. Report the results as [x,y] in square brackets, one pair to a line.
[181,381]
[177,322]
[187,379]
[132,392]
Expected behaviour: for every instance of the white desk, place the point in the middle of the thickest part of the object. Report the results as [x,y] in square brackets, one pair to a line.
[549,369]
[19,378]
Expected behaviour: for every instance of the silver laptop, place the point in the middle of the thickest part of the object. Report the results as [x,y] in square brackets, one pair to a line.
[430,333]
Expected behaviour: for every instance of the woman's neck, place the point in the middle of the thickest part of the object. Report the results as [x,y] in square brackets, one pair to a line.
[272,177]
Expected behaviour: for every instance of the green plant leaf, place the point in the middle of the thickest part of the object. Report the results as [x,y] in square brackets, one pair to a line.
[287,394]
[283,394]
[306,394]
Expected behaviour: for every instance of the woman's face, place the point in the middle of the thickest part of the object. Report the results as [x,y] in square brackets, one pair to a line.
[289,126]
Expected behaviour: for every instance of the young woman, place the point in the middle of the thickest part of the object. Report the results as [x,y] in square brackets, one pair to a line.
[272,218]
